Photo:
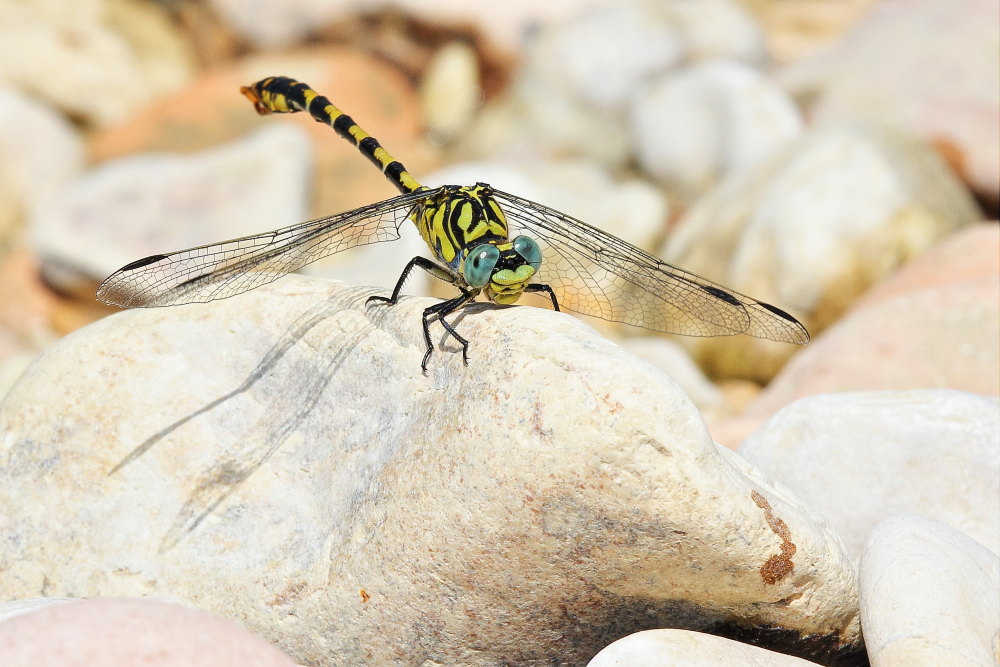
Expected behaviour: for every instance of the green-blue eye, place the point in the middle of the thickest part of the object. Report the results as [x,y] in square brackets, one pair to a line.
[527,248]
[479,265]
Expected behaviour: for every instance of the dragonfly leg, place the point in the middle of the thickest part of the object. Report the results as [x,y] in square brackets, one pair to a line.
[425,264]
[439,310]
[537,287]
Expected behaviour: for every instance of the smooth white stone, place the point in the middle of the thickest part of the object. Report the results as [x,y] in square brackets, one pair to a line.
[858,457]
[930,595]
[669,648]
[694,125]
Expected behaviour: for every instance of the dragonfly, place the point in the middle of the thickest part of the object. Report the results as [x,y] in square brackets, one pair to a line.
[484,242]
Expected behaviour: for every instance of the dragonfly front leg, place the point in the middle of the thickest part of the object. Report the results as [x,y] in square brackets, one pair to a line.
[538,287]
[439,310]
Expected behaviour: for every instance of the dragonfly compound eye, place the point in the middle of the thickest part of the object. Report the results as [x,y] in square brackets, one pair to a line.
[526,247]
[479,265]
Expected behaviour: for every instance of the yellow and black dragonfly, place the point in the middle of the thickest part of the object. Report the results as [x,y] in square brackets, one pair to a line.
[484,242]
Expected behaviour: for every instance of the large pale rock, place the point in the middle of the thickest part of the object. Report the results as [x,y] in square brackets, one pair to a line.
[931,452]
[692,126]
[814,227]
[930,596]
[669,647]
[945,91]
[293,469]
[138,206]
[933,324]
[119,631]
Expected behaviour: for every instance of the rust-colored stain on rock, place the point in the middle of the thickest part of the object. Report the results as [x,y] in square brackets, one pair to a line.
[779,565]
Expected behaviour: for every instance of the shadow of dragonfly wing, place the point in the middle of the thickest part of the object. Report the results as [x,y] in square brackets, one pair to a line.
[257,442]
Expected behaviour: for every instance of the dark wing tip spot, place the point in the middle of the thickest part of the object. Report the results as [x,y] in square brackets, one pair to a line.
[778,311]
[139,263]
[722,295]
[803,333]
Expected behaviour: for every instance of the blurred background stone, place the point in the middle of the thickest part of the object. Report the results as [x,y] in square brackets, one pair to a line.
[813,228]
[568,100]
[211,111]
[96,60]
[724,116]
[926,66]
[933,324]
[40,153]
[144,205]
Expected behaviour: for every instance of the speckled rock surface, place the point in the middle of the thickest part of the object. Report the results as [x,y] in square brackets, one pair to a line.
[292,469]
[931,595]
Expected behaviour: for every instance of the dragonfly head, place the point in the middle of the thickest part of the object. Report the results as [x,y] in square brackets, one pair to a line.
[502,269]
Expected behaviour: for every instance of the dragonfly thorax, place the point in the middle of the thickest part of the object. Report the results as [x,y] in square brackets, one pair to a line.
[456,217]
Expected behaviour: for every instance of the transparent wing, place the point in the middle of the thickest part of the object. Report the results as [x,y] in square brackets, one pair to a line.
[595,273]
[221,270]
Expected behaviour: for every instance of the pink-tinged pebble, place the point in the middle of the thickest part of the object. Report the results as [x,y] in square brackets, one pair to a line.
[119,632]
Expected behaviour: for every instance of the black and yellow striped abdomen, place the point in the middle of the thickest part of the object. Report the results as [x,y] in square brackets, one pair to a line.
[280,94]
[452,219]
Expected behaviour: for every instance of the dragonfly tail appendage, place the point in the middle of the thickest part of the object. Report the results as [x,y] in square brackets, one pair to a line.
[280,94]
